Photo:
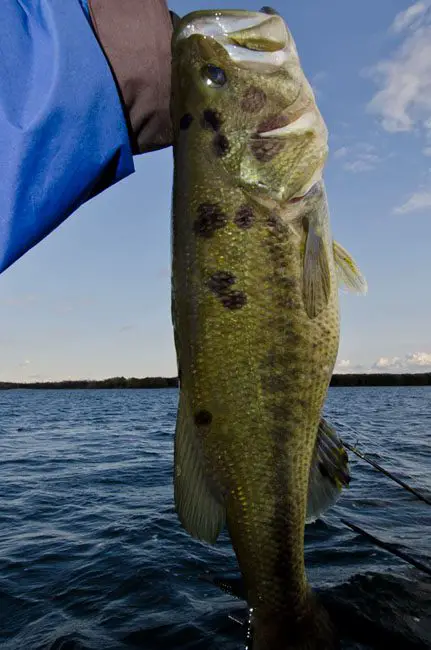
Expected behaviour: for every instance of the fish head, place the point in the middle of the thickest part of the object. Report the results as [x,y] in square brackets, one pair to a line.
[237,77]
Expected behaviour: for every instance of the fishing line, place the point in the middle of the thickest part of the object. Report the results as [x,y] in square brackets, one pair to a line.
[387,546]
[391,548]
[379,468]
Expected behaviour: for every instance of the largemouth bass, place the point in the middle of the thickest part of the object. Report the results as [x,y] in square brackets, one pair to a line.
[255,277]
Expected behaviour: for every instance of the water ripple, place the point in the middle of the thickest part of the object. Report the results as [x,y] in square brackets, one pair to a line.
[92,554]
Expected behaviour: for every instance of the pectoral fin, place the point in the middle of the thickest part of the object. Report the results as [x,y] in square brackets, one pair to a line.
[316,277]
[199,506]
[329,472]
[348,272]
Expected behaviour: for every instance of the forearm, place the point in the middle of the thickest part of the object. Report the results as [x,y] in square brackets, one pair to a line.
[71,114]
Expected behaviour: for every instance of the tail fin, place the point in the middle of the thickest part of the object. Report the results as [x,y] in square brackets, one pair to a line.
[313,630]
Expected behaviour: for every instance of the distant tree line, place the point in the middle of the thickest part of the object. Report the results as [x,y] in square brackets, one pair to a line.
[383,379]
[112,382]
[388,379]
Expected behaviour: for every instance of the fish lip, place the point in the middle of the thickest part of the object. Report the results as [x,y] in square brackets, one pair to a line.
[305,120]
[192,17]
[311,190]
[223,25]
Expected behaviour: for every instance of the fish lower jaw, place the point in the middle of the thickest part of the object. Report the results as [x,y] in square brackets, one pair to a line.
[308,188]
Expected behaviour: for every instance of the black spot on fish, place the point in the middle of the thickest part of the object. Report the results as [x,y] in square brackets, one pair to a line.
[273,383]
[293,337]
[234,300]
[253,100]
[221,145]
[203,418]
[279,435]
[185,121]
[221,281]
[275,223]
[210,219]
[244,217]
[294,372]
[283,415]
[265,149]
[211,120]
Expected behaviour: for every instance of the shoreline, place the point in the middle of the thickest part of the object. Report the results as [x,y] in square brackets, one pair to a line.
[344,380]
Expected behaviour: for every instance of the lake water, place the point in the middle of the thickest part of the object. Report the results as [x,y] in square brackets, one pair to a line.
[92,554]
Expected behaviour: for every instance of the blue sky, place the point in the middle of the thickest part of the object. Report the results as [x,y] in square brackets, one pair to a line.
[93,299]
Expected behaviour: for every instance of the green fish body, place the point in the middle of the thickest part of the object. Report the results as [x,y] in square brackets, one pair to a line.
[255,308]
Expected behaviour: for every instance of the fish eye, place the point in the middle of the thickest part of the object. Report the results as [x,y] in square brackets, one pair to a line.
[214,76]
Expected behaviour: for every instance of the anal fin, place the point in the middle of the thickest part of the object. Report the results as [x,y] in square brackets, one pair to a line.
[199,507]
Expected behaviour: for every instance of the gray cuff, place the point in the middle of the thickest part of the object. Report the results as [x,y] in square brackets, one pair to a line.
[135,36]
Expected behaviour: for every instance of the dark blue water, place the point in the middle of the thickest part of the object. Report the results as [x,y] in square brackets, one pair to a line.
[91,552]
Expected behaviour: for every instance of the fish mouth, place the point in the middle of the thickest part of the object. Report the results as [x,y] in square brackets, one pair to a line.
[303,124]
[311,188]
[254,39]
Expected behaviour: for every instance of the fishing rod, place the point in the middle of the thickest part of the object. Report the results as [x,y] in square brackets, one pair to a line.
[387,546]
[384,471]
[387,473]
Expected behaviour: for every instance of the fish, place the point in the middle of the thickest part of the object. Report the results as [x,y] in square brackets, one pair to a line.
[255,311]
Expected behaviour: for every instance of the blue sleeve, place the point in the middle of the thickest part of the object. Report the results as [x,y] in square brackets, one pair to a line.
[63,135]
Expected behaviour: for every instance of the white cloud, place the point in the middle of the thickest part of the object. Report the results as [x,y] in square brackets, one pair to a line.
[26,362]
[418,359]
[414,362]
[359,157]
[343,365]
[366,146]
[410,17]
[386,363]
[427,151]
[346,366]
[341,152]
[364,162]
[403,101]
[418,201]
